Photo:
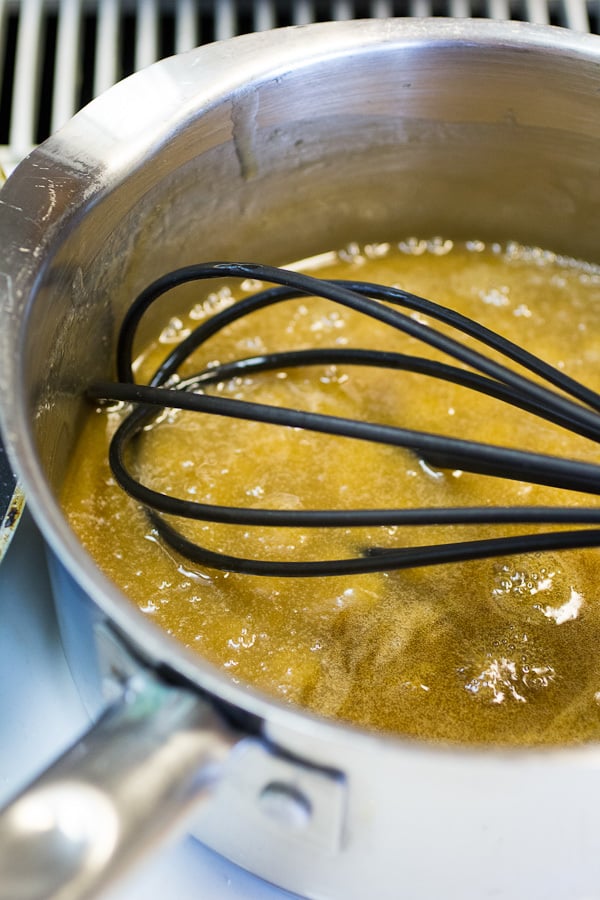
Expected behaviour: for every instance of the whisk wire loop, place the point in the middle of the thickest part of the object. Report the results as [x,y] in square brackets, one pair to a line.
[378,302]
[362,297]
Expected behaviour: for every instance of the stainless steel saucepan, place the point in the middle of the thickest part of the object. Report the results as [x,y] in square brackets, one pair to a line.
[272,147]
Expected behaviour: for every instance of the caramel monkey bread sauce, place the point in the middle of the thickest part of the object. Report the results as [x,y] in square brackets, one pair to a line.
[502,651]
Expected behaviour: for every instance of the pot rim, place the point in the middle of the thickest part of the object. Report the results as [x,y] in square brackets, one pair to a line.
[90,147]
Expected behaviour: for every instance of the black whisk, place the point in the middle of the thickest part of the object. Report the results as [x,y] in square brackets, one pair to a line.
[575,408]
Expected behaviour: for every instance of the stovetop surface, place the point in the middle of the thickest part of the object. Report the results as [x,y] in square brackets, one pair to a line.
[41,714]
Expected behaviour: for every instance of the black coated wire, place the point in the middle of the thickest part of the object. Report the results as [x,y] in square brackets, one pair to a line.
[490,377]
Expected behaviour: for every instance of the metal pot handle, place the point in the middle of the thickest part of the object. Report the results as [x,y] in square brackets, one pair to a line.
[138,772]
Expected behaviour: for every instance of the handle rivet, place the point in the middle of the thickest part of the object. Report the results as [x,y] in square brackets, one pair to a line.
[286,804]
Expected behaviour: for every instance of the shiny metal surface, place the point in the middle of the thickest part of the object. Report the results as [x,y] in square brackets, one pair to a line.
[12,500]
[275,146]
[80,48]
[42,715]
[152,756]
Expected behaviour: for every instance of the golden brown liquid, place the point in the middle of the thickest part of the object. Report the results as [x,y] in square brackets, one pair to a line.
[504,651]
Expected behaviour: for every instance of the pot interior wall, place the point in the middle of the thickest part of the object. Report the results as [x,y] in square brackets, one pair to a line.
[466,141]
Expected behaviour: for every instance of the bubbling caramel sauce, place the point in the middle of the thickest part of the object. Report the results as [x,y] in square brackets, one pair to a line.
[503,651]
